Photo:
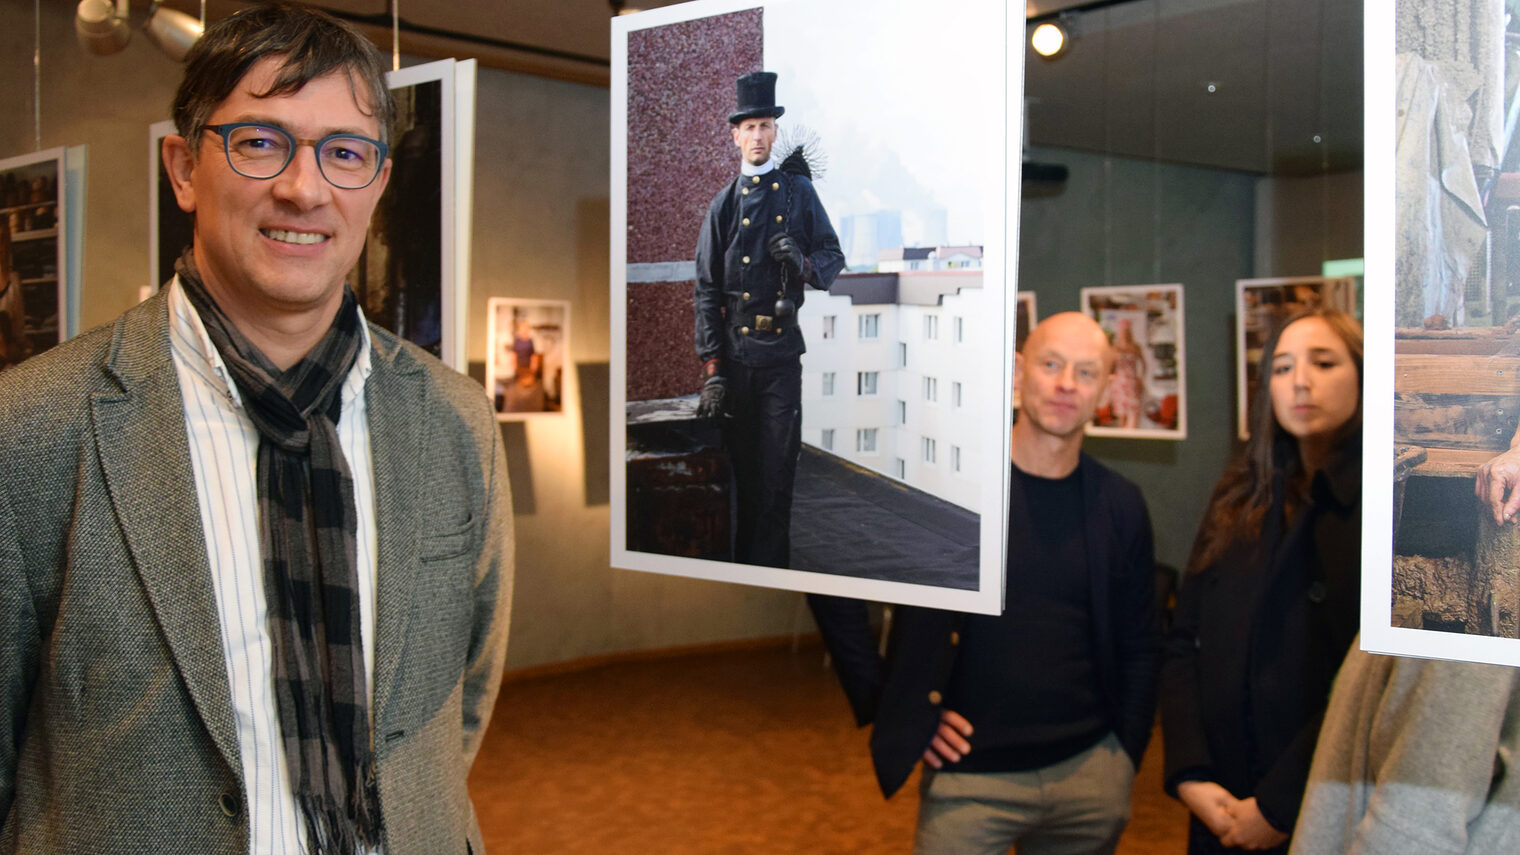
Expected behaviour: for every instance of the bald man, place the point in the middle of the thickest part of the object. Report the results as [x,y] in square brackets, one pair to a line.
[1030,724]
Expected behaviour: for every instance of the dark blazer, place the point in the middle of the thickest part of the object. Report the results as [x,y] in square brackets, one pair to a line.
[116,722]
[900,695]
[1255,642]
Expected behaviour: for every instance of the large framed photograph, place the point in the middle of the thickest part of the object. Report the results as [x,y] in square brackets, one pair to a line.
[1147,392]
[41,197]
[895,376]
[1442,395]
[413,275]
[1263,304]
[526,361]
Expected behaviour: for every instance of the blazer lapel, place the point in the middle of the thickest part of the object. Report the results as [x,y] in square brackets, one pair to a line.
[144,454]
[396,398]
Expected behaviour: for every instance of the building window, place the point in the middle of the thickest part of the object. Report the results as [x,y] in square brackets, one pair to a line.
[960,329]
[828,326]
[828,383]
[955,458]
[902,354]
[931,389]
[865,440]
[865,382]
[870,325]
[955,394]
[928,447]
[902,412]
[828,439]
[931,327]
[900,467]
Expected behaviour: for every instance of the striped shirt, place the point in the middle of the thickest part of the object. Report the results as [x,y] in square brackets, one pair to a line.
[223,455]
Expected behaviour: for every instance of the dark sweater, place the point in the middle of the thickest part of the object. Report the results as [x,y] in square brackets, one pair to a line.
[1026,679]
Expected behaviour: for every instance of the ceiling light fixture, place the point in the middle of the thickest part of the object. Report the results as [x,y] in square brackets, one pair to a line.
[103,28]
[1051,39]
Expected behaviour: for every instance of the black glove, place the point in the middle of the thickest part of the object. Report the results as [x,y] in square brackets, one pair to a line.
[710,405]
[786,252]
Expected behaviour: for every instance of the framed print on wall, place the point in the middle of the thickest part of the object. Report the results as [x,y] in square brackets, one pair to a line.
[41,244]
[1146,396]
[528,344]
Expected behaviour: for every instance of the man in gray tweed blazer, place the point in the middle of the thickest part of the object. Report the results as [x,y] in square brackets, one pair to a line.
[255,555]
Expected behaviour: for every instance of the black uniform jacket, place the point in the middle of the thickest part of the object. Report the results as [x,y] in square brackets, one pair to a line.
[1256,640]
[738,282]
[900,695]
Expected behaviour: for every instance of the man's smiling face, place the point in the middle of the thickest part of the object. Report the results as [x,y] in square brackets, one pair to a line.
[283,245]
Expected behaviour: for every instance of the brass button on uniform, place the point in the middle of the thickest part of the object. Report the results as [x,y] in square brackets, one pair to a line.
[778,218]
[955,638]
[755,179]
[935,697]
[774,185]
[745,295]
[228,803]
[744,222]
[743,330]
[744,191]
[745,259]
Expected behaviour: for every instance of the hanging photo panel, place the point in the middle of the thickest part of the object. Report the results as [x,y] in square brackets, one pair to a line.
[41,243]
[895,375]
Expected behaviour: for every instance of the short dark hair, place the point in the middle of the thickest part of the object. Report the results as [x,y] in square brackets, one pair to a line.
[311,43]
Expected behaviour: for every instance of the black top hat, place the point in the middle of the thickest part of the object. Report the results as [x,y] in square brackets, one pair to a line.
[757,97]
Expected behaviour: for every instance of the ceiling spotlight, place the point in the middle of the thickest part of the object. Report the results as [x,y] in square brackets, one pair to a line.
[101,26]
[1051,39]
[174,32]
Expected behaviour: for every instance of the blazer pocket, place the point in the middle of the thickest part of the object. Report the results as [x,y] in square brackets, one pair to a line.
[449,544]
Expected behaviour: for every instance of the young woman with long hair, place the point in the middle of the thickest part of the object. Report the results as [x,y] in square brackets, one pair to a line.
[1270,601]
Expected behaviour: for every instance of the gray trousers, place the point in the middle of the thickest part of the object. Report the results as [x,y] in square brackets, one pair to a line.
[1078,806]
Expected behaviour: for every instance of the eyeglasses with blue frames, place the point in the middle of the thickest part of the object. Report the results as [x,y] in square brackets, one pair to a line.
[347,161]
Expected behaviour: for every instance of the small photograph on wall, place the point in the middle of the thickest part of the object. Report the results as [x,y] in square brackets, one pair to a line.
[1261,305]
[812,337]
[1147,392]
[1026,315]
[528,342]
[33,258]
[1442,372]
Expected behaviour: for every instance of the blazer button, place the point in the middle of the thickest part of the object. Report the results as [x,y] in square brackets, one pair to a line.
[744,191]
[778,218]
[955,638]
[744,222]
[935,697]
[775,186]
[1317,592]
[745,295]
[228,803]
[755,179]
[745,259]
[743,330]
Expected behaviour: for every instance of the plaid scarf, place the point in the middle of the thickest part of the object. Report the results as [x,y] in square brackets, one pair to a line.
[307,533]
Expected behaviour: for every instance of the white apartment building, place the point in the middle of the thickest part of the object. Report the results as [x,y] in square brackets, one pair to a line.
[889,380]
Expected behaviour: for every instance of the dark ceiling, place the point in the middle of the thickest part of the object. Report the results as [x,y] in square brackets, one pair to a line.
[1286,75]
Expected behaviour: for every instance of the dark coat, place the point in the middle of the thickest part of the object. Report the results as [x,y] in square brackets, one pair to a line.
[1256,639]
[900,695]
[736,277]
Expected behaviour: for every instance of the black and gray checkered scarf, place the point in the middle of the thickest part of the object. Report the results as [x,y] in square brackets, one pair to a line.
[307,532]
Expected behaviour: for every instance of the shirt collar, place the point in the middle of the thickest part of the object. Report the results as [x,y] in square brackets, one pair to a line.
[746,168]
[188,323]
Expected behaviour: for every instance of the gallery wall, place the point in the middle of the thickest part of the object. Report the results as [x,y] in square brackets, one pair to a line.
[541,231]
